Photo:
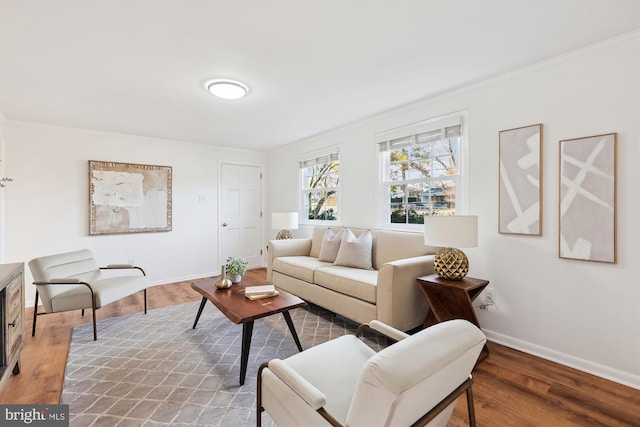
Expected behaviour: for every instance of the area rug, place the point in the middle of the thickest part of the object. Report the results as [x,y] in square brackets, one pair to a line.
[155,370]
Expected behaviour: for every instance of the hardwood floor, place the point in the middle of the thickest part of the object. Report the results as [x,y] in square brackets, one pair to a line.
[511,388]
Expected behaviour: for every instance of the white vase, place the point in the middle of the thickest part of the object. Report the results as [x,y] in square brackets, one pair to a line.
[235,278]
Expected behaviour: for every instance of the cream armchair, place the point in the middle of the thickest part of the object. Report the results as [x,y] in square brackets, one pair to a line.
[343,382]
[73,281]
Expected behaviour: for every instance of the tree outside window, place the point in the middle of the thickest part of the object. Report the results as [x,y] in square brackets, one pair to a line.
[321,179]
[421,174]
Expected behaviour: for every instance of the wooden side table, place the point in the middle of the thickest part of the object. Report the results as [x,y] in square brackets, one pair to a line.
[452,299]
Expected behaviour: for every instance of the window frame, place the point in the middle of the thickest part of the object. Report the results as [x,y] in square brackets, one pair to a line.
[411,130]
[304,191]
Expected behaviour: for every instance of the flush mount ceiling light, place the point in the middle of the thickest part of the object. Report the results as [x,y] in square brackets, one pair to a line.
[227,89]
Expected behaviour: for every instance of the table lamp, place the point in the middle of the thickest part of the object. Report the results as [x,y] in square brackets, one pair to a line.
[449,233]
[284,221]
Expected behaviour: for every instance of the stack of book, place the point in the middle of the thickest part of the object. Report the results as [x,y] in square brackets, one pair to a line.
[259,292]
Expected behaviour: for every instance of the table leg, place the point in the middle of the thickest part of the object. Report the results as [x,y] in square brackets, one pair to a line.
[430,320]
[287,318]
[247,330]
[484,353]
[202,303]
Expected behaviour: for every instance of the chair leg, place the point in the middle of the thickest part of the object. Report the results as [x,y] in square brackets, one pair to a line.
[82,314]
[93,312]
[259,395]
[470,408]
[35,315]
[145,301]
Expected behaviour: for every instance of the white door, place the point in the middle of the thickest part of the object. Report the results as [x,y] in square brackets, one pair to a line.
[240,207]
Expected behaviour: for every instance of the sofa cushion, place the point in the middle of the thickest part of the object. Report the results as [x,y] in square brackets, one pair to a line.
[316,241]
[330,245]
[355,251]
[394,245]
[388,245]
[344,357]
[300,267]
[358,283]
[107,290]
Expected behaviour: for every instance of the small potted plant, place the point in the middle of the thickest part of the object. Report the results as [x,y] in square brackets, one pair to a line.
[236,267]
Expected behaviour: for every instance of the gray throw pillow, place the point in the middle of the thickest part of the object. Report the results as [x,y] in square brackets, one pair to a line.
[330,245]
[355,252]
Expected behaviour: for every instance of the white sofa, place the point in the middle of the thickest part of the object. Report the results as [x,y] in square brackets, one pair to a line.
[387,292]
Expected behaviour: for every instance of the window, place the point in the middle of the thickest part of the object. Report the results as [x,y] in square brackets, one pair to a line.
[320,174]
[421,170]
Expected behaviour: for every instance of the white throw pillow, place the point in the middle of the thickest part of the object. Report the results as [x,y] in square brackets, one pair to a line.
[355,252]
[330,245]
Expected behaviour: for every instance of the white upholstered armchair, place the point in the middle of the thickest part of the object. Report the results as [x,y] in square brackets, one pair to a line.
[73,281]
[343,382]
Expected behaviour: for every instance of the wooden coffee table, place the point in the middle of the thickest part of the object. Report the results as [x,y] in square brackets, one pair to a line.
[240,309]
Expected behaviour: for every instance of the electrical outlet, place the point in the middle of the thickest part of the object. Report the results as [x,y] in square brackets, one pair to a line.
[488,298]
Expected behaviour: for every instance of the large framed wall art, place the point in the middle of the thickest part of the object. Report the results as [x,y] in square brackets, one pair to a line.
[129,198]
[520,194]
[587,208]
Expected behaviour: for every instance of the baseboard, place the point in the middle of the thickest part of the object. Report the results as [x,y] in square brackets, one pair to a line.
[187,278]
[606,372]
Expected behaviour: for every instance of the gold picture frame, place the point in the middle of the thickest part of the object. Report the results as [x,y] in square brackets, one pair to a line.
[129,198]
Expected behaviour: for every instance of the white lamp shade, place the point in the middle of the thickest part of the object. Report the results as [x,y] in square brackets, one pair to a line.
[284,220]
[454,231]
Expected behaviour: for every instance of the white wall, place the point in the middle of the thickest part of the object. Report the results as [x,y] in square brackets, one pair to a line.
[582,314]
[3,193]
[47,204]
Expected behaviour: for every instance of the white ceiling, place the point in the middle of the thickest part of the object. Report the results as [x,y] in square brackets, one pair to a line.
[138,66]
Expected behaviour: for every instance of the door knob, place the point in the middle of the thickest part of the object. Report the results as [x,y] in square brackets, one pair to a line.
[224,224]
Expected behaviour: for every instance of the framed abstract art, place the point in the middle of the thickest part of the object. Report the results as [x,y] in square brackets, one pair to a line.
[520,193]
[129,198]
[587,205]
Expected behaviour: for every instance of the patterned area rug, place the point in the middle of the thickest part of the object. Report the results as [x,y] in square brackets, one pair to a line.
[154,370]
